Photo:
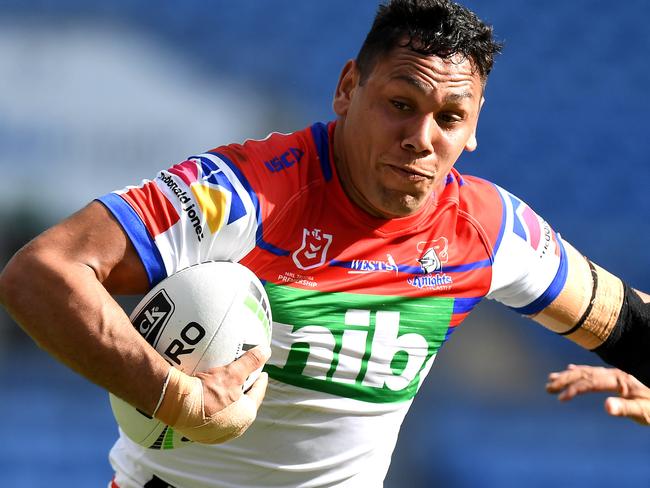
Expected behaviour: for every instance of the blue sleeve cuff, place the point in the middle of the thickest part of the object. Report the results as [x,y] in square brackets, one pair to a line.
[139,236]
[553,289]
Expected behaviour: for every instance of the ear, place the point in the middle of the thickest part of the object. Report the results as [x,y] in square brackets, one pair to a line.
[472,143]
[348,81]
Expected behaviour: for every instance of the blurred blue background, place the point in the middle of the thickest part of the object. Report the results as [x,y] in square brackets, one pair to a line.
[97,95]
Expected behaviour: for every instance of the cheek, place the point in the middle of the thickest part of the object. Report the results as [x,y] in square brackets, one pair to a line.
[455,143]
[370,134]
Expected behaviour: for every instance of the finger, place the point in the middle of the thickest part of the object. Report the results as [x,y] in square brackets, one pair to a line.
[558,381]
[633,388]
[251,360]
[583,379]
[567,391]
[568,371]
[587,385]
[637,410]
[258,389]
[574,389]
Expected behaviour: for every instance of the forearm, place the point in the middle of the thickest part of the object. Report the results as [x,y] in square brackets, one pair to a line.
[628,345]
[62,305]
[599,312]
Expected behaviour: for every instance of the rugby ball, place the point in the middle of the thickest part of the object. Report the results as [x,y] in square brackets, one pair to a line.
[203,316]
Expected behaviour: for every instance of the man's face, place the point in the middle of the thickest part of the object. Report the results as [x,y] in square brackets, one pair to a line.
[401,131]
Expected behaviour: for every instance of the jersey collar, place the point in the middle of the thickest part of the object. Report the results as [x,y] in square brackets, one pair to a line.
[323,138]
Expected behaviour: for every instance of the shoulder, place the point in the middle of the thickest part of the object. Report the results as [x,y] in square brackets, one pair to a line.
[479,197]
[278,158]
[482,203]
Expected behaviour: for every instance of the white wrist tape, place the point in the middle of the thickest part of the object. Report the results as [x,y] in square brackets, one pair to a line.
[162,393]
[183,409]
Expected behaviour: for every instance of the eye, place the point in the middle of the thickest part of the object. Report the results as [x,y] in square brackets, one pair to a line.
[449,118]
[401,106]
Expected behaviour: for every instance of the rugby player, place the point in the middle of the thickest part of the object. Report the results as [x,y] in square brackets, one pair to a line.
[373,249]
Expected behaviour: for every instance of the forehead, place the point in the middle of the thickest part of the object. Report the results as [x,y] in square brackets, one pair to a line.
[428,74]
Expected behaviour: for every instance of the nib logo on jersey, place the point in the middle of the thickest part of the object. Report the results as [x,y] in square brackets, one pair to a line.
[433,254]
[212,198]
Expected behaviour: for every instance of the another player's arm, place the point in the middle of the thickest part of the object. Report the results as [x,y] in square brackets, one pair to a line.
[58,289]
[598,311]
[633,400]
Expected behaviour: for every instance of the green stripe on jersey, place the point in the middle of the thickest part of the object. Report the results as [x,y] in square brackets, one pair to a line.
[371,348]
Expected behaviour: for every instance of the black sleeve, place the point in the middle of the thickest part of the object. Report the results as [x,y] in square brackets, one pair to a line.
[628,346]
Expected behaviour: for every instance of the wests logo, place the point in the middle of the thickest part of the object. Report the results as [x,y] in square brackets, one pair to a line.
[313,251]
[364,266]
[153,317]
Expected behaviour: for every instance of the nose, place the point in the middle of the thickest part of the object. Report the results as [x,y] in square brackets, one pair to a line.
[419,134]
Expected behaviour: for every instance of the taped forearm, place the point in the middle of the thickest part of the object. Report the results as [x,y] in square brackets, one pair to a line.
[182,407]
[600,317]
[599,312]
[615,324]
[587,308]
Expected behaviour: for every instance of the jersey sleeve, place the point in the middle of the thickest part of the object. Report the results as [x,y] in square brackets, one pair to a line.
[200,210]
[530,265]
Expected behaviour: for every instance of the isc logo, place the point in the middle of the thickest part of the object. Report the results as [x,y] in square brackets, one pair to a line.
[284,160]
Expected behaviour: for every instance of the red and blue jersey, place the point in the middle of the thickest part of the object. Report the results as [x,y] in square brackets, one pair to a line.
[361,305]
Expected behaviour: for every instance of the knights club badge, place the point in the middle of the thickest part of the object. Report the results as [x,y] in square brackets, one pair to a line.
[313,252]
[434,254]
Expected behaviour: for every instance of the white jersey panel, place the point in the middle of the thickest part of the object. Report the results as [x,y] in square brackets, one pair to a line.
[197,211]
[529,268]
[299,439]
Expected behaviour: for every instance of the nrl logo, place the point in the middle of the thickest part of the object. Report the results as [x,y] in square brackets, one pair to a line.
[434,256]
[313,251]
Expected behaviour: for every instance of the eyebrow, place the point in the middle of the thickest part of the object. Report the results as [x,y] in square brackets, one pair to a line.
[425,87]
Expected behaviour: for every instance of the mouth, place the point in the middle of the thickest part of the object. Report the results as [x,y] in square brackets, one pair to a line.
[410,173]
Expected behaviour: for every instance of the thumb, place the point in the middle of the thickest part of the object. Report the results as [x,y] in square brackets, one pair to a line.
[251,360]
[257,391]
[637,410]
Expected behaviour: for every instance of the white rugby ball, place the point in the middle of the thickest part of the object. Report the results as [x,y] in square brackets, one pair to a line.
[203,316]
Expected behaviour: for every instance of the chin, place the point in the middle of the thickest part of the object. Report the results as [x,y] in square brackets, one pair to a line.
[401,206]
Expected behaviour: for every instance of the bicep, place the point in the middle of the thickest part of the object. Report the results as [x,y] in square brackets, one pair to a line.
[92,237]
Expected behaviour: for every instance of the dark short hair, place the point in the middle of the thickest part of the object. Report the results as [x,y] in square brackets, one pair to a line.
[431,28]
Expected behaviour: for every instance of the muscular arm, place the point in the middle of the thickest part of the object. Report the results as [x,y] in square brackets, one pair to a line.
[58,289]
[598,311]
